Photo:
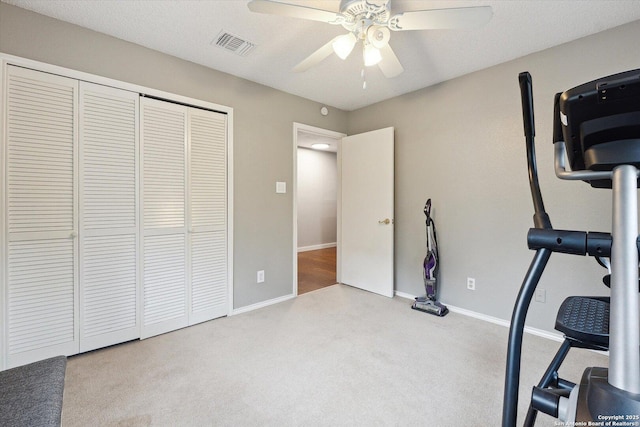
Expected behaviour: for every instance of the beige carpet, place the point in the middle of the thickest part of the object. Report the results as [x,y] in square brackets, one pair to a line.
[333,357]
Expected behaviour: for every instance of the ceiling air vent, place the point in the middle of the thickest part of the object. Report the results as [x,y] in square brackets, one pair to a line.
[233,43]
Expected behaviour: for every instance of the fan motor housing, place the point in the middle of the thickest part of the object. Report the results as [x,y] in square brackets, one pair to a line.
[374,11]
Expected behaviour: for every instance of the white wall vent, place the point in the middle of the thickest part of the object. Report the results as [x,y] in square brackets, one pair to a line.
[233,43]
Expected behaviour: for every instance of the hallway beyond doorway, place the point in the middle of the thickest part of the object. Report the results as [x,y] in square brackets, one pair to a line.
[316,269]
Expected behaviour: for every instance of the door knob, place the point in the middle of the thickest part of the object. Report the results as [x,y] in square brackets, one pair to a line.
[385,221]
[73,235]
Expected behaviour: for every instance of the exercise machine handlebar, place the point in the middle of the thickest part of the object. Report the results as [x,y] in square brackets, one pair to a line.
[540,217]
[572,242]
[526,93]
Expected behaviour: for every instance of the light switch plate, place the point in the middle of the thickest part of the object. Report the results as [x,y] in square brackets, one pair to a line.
[281,187]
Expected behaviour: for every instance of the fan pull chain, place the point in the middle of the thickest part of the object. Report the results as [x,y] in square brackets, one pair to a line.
[364,80]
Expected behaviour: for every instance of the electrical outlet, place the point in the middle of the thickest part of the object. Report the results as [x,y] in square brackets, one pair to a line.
[541,295]
[471,283]
[260,276]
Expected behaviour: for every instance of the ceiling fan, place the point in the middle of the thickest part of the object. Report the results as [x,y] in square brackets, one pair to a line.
[370,22]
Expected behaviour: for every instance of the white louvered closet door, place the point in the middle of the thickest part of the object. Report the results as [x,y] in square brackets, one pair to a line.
[208,215]
[40,284]
[108,216]
[164,253]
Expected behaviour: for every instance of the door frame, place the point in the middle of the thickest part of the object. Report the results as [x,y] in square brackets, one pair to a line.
[325,133]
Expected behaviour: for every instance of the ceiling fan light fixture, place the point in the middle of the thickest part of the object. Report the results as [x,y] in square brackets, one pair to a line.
[343,45]
[378,36]
[371,55]
[371,22]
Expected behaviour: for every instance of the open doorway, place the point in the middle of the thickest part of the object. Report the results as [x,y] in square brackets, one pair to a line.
[316,186]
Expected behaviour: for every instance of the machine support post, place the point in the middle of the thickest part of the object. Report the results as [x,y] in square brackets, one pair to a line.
[624,325]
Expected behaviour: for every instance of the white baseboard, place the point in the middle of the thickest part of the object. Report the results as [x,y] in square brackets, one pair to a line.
[404,295]
[316,247]
[528,329]
[261,304]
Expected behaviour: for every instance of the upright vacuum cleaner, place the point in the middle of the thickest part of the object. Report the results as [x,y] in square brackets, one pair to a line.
[428,303]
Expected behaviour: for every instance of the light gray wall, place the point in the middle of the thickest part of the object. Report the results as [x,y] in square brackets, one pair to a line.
[263,135]
[461,143]
[317,197]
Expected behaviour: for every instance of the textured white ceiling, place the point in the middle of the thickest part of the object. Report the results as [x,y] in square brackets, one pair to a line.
[185,29]
[307,139]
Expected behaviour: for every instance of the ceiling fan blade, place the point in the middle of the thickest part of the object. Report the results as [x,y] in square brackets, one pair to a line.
[389,65]
[316,57]
[295,11]
[441,19]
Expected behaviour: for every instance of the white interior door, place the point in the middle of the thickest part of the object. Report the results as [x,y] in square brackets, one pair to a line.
[366,226]
[207,215]
[164,231]
[41,217]
[108,216]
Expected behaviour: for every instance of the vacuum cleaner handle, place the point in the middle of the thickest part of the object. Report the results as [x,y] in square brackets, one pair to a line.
[427,208]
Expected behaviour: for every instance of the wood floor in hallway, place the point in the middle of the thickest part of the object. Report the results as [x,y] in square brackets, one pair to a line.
[316,269]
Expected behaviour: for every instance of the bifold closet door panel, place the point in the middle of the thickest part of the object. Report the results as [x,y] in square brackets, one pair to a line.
[164,253]
[40,284]
[208,215]
[209,288]
[108,216]
[165,291]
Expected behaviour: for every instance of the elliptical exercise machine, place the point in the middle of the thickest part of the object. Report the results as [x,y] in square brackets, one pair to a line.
[597,130]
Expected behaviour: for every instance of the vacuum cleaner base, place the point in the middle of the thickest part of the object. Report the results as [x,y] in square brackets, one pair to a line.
[431,307]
